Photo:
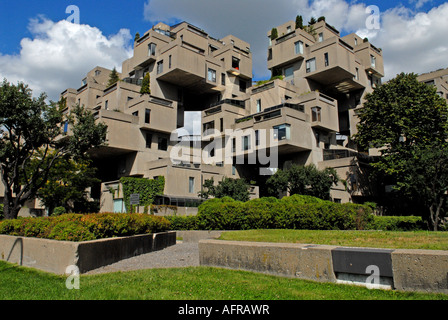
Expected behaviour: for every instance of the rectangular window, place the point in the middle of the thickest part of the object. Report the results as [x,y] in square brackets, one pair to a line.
[235,63]
[169,62]
[282,132]
[257,137]
[289,73]
[147,116]
[191,185]
[211,75]
[321,37]
[311,65]
[298,47]
[243,85]
[372,61]
[152,49]
[316,114]
[148,140]
[208,126]
[162,144]
[327,62]
[259,105]
[270,54]
[160,67]
[221,124]
[356,74]
[246,143]
[106,105]
[223,79]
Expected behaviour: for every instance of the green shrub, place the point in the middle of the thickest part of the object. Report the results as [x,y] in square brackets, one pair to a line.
[295,212]
[78,227]
[58,211]
[397,223]
[1,212]
[183,222]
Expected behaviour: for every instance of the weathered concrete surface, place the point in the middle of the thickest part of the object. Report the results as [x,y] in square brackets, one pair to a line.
[55,256]
[420,270]
[291,260]
[197,235]
[48,255]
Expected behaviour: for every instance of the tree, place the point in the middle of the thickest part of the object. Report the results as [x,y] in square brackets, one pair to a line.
[274,34]
[137,37]
[114,77]
[427,180]
[146,84]
[299,22]
[237,189]
[67,185]
[304,180]
[321,18]
[312,21]
[33,140]
[402,118]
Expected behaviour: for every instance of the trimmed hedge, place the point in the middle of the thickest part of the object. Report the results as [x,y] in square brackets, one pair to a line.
[79,227]
[397,223]
[294,212]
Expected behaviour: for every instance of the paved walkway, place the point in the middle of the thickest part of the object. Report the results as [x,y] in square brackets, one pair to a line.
[177,256]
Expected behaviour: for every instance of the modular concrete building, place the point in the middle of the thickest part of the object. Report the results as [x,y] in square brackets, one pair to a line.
[305,114]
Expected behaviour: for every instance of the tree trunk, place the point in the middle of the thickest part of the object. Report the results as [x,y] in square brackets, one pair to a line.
[10,208]
[434,210]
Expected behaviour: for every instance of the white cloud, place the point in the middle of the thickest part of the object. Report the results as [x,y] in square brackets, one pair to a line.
[59,55]
[411,42]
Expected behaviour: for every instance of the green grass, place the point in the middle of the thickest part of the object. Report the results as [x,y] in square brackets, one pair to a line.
[195,283]
[372,239]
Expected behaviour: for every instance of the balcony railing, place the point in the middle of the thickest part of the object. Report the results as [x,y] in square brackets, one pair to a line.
[271,112]
[135,81]
[233,102]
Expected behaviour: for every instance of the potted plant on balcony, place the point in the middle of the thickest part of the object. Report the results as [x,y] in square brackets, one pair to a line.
[146,84]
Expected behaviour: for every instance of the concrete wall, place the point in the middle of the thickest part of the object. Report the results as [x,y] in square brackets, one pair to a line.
[407,270]
[55,256]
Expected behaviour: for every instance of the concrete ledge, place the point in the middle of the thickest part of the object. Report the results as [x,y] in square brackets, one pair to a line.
[55,256]
[407,270]
[420,270]
[196,235]
[291,260]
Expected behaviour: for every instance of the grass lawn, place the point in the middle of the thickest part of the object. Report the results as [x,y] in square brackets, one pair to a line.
[373,239]
[203,283]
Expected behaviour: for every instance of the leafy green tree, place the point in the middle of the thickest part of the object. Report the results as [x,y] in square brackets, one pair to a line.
[67,185]
[32,141]
[114,77]
[299,22]
[137,36]
[304,180]
[237,189]
[312,21]
[146,84]
[402,118]
[274,33]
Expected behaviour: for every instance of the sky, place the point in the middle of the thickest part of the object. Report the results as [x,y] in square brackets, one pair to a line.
[51,48]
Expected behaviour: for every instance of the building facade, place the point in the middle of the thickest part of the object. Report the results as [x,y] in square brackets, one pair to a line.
[304,115]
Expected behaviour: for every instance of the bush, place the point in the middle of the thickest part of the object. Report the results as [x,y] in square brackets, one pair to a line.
[183,222]
[397,223]
[78,227]
[295,212]
[58,211]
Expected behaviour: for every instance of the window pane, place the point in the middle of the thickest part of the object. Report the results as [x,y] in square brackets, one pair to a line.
[311,65]
[211,75]
[147,116]
[299,47]
[289,72]
[191,185]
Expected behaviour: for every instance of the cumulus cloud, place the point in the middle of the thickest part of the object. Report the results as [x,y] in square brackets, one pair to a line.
[59,55]
[411,41]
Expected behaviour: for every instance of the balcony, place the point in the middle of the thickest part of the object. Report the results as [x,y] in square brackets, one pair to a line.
[288,122]
[154,114]
[371,58]
[222,115]
[332,64]
[322,109]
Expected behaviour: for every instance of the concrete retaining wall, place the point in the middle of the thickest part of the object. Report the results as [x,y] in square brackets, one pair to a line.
[408,270]
[55,256]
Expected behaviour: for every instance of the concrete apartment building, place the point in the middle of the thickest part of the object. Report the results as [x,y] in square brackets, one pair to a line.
[439,79]
[307,116]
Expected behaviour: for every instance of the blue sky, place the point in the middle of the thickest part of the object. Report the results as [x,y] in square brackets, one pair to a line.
[51,56]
